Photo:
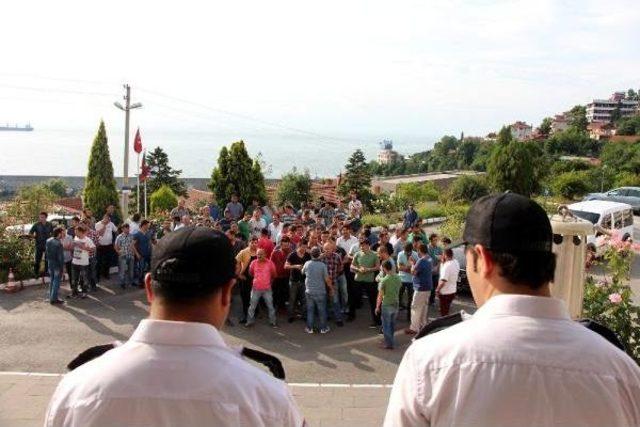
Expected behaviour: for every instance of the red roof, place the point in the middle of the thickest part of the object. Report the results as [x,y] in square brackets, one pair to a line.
[70,204]
[196,198]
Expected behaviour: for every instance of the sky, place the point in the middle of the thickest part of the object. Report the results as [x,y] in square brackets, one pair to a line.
[342,70]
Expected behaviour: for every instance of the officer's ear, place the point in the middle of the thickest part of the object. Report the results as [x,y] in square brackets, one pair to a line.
[148,288]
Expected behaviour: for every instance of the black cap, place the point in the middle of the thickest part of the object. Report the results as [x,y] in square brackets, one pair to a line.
[508,223]
[192,261]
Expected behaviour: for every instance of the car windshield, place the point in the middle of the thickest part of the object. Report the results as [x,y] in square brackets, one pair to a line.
[589,216]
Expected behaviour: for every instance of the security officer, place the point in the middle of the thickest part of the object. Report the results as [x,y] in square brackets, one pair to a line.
[520,360]
[176,369]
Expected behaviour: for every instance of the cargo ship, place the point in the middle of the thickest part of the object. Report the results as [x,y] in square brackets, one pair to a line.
[16,128]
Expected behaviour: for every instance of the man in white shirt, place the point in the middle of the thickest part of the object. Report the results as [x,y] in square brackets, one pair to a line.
[257,223]
[176,369]
[82,248]
[275,228]
[346,241]
[520,360]
[105,254]
[355,206]
[448,285]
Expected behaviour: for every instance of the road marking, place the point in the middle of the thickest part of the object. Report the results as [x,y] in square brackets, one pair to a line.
[302,385]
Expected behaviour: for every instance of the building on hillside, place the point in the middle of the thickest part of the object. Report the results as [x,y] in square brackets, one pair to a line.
[387,155]
[327,188]
[601,130]
[389,184]
[599,110]
[521,130]
[559,123]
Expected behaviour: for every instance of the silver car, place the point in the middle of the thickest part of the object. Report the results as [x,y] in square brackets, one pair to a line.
[628,195]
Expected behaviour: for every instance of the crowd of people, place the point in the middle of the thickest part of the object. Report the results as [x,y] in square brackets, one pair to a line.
[318,263]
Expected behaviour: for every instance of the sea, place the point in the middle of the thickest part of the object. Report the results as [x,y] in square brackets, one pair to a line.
[65,152]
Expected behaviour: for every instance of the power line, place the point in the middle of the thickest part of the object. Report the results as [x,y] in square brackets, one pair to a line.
[57,90]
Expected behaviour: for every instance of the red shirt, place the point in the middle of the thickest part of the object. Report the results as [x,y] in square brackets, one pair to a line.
[266,244]
[279,257]
[263,273]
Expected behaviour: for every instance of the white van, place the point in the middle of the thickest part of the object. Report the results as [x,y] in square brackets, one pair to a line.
[611,216]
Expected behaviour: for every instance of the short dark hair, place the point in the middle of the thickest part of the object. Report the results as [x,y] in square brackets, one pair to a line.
[303,242]
[57,232]
[144,222]
[136,217]
[43,213]
[533,269]
[432,236]
[448,253]
[125,225]
[285,239]
[75,218]
[387,265]
[264,232]
[408,247]
[422,248]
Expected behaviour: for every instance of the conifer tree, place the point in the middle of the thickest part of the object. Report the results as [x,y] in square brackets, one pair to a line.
[100,184]
[237,173]
[357,178]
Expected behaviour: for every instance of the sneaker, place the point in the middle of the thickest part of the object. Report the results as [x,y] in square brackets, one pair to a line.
[72,296]
[340,323]
[83,295]
[56,302]
[309,331]
[373,326]
[243,321]
[274,325]
[325,330]
[248,324]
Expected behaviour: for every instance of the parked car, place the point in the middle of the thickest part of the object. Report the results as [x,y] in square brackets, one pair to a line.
[628,195]
[55,219]
[460,256]
[611,216]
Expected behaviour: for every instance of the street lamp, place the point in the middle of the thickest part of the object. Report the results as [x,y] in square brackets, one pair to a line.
[125,178]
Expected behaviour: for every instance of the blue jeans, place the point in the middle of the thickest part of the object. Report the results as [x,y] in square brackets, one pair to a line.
[142,267]
[335,306]
[389,314]
[255,299]
[125,270]
[341,290]
[55,276]
[316,302]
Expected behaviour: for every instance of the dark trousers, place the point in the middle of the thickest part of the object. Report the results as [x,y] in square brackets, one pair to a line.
[370,289]
[80,279]
[445,303]
[105,257]
[407,288]
[69,269]
[354,291]
[432,296]
[245,295]
[40,253]
[280,290]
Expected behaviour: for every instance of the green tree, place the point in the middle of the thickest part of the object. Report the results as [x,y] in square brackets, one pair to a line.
[627,179]
[30,201]
[57,187]
[294,188]
[621,156]
[468,189]
[357,178]
[512,165]
[238,173]
[616,114]
[571,184]
[578,117]
[443,155]
[632,95]
[163,174]
[417,193]
[572,142]
[163,199]
[629,126]
[100,185]
[545,127]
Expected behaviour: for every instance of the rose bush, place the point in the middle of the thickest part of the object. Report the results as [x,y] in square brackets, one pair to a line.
[609,299]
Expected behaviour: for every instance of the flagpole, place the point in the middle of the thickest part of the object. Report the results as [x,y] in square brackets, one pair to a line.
[145,197]
[138,187]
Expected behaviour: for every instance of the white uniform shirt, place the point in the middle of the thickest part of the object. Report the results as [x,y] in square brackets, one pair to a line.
[256,226]
[449,272]
[171,374]
[519,361]
[346,244]
[274,232]
[107,237]
[80,255]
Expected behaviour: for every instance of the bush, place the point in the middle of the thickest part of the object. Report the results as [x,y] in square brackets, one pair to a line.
[163,199]
[416,193]
[571,184]
[430,210]
[468,189]
[627,179]
[16,253]
[453,226]
[610,301]
[294,188]
[387,203]
[377,220]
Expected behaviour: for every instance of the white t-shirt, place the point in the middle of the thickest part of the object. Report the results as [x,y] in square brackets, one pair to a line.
[274,232]
[346,244]
[107,237]
[81,256]
[449,272]
[133,226]
[256,226]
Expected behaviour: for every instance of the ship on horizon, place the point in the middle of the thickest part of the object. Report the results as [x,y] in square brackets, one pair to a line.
[16,128]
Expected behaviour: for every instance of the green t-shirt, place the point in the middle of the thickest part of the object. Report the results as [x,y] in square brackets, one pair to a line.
[368,259]
[423,237]
[390,286]
[243,228]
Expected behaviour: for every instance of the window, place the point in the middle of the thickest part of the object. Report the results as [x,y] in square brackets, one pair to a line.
[633,193]
[589,216]
[617,220]
[606,221]
[627,218]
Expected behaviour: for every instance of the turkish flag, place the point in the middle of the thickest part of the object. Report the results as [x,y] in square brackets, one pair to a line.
[137,142]
[145,170]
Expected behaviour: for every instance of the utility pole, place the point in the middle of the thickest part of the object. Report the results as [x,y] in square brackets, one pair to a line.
[125,176]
